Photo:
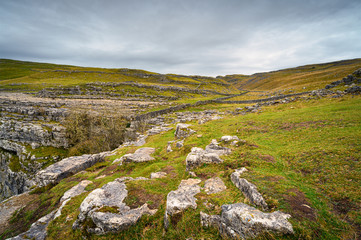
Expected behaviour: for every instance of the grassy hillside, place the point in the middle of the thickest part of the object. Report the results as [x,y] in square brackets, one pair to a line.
[30,76]
[303,78]
[303,156]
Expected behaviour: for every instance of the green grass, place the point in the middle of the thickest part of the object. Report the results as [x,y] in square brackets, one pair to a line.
[309,152]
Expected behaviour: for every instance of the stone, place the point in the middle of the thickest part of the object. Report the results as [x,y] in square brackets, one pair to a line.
[158,175]
[37,230]
[111,195]
[248,189]
[67,167]
[181,199]
[140,155]
[229,138]
[213,147]
[214,185]
[179,144]
[182,131]
[74,191]
[198,156]
[240,221]
[169,147]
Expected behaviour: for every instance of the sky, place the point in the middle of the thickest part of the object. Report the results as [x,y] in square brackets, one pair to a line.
[192,37]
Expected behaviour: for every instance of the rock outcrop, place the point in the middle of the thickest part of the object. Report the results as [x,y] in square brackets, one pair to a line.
[74,191]
[37,230]
[107,211]
[211,154]
[240,221]
[214,185]
[67,167]
[158,175]
[182,131]
[248,189]
[181,199]
[140,155]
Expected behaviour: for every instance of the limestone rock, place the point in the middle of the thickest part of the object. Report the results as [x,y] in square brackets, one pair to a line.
[198,156]
[74,191]
[229,138]
[140,155]
[213,147]
[67,167]
[169,147]
[240,221]
[179,144]
[248,189]
[181,199]
[214,185]
[37,230]
[158,175]
[111,195]
[182,131]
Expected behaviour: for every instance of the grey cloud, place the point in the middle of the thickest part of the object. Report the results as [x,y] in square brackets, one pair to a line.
[208,37]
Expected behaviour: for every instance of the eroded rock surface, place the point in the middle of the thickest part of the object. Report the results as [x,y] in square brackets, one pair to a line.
[67,167]
[214,147]
[74,191]
[248,189]
[181,199]
[182,131]
[214,185]
[158,175]
[211,154]
[140,155]
[105,208]
[198,156]
[240,221]
[37,230]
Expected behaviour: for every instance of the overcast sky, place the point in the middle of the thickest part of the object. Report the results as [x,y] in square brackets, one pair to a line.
[204,37]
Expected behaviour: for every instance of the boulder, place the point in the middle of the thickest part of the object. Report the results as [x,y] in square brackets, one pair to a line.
[158,175]
[181,199]
[67,167]
[214,185]
[229,138]
[182,131]
[179,144]
[140,155]
[74,191]
[213,147]
[240,221]
[198,156]
[248,189]
[105,208]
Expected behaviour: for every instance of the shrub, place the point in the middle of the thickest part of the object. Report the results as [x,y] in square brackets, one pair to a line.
[90,132]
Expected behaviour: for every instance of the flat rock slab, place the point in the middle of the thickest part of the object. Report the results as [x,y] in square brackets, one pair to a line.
[248,189]
[158,175]
[181,199]
[198,156]
[214,185]
[67,167]
[72,192]
[96,205]
[214,147]
[240,221]
[140,155]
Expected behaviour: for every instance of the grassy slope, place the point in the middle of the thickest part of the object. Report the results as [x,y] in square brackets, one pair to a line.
[19,75]
[308,76]
[302,153]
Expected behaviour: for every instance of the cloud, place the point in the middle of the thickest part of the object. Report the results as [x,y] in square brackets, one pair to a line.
[206,37]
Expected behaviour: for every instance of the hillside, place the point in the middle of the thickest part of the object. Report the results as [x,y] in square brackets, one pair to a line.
[217,164]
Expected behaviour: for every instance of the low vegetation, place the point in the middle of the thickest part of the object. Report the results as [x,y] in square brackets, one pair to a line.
[90,132]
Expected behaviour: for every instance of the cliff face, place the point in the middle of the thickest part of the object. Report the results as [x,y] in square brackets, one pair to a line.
[25,128]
